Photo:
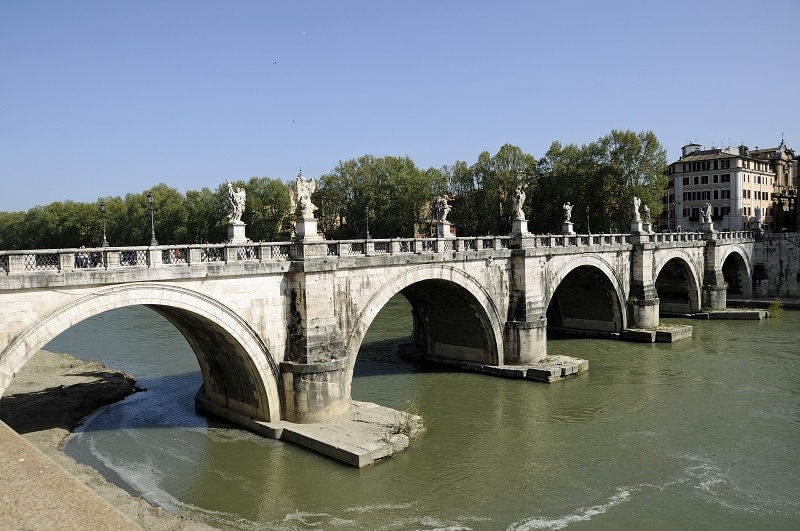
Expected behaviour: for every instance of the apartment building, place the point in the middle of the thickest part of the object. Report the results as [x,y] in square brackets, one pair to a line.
[740,184]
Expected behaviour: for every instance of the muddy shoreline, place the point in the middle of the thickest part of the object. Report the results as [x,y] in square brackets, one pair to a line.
[50,397]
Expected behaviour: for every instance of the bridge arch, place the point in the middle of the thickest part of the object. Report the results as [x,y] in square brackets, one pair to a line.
[677,282]
[238,371]
[734,263]
[450,307]
[585,294]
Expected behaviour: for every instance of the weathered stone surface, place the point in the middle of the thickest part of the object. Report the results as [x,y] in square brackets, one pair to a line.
[635,334]
[277,327]
[734,314]
[673,333]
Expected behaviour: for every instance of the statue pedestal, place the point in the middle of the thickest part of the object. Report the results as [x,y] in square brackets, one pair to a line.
[636,227]
[519,226]
[236,232]
[646,227]
[307,229]
[707,226]
[566,228]
[443,230]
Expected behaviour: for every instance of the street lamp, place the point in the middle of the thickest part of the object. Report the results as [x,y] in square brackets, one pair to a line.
[366,217]
[153,241]
[669,216]
[103,210]
[588,230]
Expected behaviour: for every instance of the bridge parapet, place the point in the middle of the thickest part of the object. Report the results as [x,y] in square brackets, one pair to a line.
[736,236]
[578,240]
[676,237]
[60,260]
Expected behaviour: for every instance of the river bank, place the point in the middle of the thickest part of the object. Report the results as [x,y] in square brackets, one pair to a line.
[49,398]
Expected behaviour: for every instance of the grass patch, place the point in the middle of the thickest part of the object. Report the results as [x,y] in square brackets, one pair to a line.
[776,307]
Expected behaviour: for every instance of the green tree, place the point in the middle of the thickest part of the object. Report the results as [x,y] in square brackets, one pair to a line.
[392,190]
[11,234]
[635,165]
[267,209]
[496,178]
[602,176]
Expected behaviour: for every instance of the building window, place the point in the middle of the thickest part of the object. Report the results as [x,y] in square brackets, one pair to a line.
[716,194]
[705,179]
[726,177]
[696,179]
[716,179]
[686,181]
[716,164]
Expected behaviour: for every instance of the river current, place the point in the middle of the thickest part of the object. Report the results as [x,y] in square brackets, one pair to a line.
[703,433]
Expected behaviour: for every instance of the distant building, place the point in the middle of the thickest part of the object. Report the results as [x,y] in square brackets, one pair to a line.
[737,183]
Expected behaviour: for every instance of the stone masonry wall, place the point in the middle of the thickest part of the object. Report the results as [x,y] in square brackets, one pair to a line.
[776,267]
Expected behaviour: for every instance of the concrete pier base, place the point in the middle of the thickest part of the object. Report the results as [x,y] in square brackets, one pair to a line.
[366,433]
[661,334]
[733,315]
[548,370]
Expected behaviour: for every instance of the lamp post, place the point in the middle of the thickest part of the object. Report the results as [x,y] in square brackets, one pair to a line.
[103,211]
[669,217]
[153,241]
[366,217]
[588,230]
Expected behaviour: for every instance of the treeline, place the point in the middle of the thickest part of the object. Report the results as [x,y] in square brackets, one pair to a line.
[389,194]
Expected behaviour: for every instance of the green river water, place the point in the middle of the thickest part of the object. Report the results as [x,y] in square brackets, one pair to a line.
[700,434]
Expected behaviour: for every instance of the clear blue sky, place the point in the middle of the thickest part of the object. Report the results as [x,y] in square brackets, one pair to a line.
[102,98]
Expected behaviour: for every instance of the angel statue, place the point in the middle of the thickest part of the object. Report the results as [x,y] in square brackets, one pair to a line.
[301,195]
[637,217]
[519,200]
[442,209]
[237,199]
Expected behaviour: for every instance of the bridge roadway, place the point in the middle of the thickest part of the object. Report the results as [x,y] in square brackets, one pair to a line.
[276,327]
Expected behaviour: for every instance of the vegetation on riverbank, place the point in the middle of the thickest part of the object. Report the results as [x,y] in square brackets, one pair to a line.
[389,194]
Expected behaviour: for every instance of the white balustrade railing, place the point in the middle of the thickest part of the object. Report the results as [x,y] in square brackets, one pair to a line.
[44,260]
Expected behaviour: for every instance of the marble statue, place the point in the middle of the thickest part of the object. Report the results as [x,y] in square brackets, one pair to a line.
[758,215]
[442,209]
[637,218]
[646,210]
[705,213]
[301,194]
[519,200]
[567,212]
[237,199]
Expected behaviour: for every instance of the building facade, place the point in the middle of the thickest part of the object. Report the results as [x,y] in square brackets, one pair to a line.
[742,186]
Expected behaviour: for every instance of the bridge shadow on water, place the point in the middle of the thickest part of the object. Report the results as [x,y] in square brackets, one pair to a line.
[393,356]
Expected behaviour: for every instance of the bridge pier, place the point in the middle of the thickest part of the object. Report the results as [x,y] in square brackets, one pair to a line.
[524,342]
[714,293]
[315,392]
[643,302]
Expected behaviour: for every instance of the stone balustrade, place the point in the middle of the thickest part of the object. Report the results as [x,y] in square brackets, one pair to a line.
[30,261]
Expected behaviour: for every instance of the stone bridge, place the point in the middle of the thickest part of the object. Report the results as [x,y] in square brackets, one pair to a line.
[276,327]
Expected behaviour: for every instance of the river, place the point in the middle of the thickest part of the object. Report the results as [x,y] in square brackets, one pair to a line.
[700,434]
